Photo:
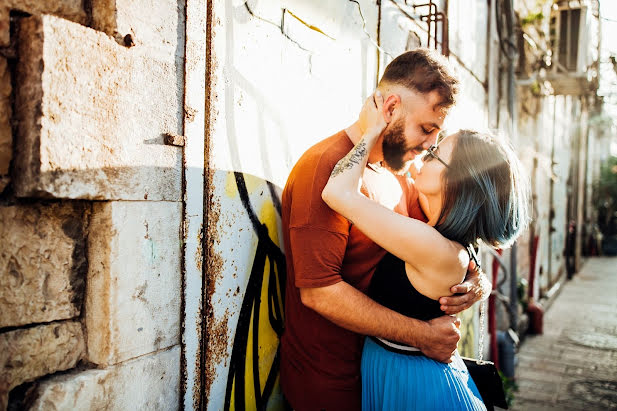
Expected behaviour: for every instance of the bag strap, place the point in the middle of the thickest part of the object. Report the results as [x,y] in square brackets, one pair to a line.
[472,254]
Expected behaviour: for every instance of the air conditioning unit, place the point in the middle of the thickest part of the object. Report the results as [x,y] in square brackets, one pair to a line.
[573,42]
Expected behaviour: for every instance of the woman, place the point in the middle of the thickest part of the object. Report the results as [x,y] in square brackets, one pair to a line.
[470,189]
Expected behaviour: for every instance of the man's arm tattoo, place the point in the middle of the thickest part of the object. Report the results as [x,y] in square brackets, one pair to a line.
[352,158]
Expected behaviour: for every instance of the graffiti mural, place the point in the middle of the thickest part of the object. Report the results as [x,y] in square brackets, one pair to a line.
[253,367]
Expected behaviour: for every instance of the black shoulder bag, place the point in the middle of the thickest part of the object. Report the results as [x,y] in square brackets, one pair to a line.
[484,373]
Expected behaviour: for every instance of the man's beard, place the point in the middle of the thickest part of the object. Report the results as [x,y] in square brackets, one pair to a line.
[395,147]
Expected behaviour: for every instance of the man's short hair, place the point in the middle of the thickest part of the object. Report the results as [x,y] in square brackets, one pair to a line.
[423,70]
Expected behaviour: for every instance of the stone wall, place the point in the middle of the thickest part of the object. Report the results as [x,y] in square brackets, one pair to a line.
[90,203]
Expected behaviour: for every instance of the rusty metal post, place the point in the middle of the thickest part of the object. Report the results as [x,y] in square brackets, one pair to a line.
[194,162]
[434,17]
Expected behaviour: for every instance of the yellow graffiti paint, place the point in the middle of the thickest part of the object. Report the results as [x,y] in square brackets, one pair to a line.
[267,338]
[268,344]
[252,184]
[466,345]
[268,216]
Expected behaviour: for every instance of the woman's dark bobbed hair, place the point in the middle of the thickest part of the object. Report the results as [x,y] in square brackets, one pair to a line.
[486,192]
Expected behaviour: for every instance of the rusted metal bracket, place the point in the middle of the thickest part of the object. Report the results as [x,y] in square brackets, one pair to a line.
[172,139]
[432,18]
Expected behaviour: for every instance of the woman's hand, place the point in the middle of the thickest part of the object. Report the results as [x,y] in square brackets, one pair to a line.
[371,117]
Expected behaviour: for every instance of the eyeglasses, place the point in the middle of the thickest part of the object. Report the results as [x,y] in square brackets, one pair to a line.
[430,154]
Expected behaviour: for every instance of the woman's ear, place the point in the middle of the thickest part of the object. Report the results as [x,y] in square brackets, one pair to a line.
[392,102]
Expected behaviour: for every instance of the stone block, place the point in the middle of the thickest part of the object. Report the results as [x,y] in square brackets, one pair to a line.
[69,9]
[134,279]
[6,135]
[104,142]
[30,353]
[151,382]
[42,262]
[5,26]
[156,24]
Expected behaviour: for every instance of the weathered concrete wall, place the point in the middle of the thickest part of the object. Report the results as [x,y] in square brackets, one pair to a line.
[549,129]
[557,134]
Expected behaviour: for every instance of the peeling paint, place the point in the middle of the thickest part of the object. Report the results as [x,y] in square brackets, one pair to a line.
[252,370]
[199,252]
[214,266]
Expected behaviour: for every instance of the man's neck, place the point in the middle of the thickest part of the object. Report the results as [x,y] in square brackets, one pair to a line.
[355,132]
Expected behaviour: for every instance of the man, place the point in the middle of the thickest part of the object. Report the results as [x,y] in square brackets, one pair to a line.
[330,262]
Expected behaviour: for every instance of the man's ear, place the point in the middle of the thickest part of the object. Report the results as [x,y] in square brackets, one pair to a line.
[392,102]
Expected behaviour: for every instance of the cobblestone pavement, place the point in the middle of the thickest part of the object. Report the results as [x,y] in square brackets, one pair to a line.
[573,365]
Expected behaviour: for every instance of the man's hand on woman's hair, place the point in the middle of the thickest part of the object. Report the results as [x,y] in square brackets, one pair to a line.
[476,287]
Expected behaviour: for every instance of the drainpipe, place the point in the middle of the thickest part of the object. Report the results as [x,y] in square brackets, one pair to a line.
[379,56]
[198,40]
[492,319]
[513,57]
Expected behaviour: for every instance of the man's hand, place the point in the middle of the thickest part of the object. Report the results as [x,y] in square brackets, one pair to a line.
[476,287]
[439,342]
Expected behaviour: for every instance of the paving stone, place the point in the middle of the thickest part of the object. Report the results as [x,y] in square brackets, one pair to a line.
[134,281]
[535,405]
[536,375]
[27,354]
[42,262]
[151,382]
[574,369]
[106,141]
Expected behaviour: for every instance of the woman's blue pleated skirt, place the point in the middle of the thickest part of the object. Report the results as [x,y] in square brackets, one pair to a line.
[392,381]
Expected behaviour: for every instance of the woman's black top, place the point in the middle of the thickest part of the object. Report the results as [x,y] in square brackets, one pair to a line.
[391,288]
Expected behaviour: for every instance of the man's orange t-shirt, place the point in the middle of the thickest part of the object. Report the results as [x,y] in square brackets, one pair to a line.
[320,361]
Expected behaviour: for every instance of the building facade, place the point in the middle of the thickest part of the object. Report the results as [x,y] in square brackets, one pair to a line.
[144,146]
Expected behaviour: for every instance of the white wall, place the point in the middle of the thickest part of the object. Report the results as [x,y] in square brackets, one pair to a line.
[287,74]
[276,91]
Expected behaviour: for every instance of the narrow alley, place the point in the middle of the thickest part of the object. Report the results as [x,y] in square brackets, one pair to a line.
[573,365]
